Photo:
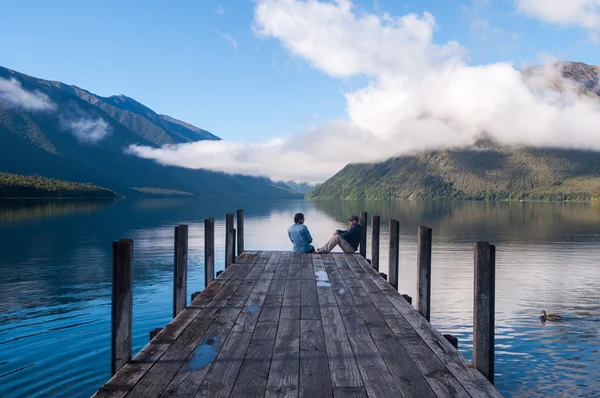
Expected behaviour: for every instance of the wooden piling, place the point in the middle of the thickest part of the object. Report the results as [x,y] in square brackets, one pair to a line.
[424,272]
[209,250]
[153,333]
[228,239]
[362,220]
[453,340]
[394,253]
[233,240]
[240,231]
[484,309]
[180,269]
[375,242]
[122,305]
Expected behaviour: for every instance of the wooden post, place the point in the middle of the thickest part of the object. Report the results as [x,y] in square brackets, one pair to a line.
[484,309]
[228,239]
[394,252]
[424,272]
[153,333]
[375,243]
[240,231]
[180,271]
[233,240]
[122,305]
[362,220]
[209,250]
[453,340]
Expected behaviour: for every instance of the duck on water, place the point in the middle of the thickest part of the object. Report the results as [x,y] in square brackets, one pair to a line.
[550,317]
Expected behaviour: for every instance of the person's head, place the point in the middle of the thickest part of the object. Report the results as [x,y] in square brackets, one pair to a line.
[298,218]
[353,220]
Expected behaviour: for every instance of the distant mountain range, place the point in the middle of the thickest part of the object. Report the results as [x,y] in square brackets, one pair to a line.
[484,171]
[54,130]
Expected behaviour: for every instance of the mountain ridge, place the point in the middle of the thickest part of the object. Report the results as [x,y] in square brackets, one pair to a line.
[58,131]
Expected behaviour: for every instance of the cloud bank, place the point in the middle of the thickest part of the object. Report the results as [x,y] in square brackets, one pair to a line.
[13,95]
[581,13]
[420,95]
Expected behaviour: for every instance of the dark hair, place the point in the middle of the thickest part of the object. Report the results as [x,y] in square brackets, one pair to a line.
[298,217]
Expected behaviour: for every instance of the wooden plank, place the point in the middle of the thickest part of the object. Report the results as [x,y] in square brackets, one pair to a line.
[342,364]
[375,242]
[376,376]
[240,231]
[209,251]
[254,372]
[182,368]
[473,381]
[273,262]
[220,380]
[309,300]
[221,377]
[121,305]
[424,272]
[180,269]
[285,363]
[394,248]
[440,379]
[315,380]
[350,392]
[252,308]
[484,309]
[363,239]
[402,369]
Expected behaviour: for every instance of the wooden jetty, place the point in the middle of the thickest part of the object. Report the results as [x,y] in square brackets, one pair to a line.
[288,324]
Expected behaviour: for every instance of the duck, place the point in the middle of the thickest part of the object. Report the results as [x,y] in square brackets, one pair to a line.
[550,317]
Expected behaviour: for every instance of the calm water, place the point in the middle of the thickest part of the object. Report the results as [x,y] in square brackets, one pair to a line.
[55,280]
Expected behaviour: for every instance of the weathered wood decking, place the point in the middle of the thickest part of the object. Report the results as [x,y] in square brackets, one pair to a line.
[310,325]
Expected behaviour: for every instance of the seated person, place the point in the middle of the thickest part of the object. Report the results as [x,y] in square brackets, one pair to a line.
[300,236]
[347,240]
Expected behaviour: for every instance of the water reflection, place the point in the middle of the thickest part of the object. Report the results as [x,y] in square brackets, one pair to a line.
[56,275]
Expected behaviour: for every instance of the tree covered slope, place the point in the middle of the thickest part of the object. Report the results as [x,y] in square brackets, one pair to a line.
[486,171]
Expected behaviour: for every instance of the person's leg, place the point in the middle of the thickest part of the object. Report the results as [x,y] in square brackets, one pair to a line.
[312,249]
[345,246]
[329,246]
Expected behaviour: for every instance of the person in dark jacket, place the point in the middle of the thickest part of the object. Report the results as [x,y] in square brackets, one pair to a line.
[347,240]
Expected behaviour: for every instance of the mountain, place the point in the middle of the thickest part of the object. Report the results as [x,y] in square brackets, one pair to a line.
[484,171]
[301,187]
[64,132]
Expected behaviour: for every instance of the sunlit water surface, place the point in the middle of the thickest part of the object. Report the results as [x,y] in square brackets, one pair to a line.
[55,282]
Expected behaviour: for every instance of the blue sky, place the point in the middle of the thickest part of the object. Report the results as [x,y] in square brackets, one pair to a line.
[201,62]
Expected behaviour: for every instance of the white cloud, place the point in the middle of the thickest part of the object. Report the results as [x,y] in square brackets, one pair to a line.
[219,9]
[13,95]
[87,130]
[420,95]
[228,37]
[581,13]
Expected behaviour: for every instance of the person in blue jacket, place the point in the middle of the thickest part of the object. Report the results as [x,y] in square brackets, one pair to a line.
[300,236]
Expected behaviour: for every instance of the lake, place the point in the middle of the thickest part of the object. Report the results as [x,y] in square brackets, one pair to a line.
[55,283]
